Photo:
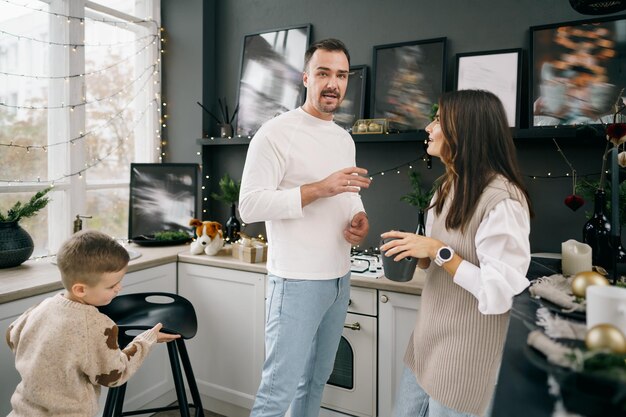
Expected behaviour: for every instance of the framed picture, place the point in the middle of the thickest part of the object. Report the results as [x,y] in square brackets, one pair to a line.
[353,106]
[408,79]
[496,71]
[270,80]
[578,70]
[162,197]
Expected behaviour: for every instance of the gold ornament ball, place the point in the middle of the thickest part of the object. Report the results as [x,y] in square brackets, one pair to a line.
[584,279]
[605,336]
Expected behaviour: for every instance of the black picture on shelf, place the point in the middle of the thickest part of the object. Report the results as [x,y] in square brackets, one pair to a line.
[353,105]
[577,71]
[270,81]
[162,197]
[408,79]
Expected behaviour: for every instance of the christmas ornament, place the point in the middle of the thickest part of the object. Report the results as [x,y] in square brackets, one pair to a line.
[574,201]
[584,279]
[605,337]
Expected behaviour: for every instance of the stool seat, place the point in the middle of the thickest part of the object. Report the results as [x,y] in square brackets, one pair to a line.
[142,311]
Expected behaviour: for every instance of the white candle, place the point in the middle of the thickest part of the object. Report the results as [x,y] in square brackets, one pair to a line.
[575,257]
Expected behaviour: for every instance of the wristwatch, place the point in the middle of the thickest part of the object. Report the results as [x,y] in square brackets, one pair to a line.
[444,254]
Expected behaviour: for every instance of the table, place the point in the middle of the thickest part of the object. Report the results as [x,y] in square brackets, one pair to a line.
[522,389]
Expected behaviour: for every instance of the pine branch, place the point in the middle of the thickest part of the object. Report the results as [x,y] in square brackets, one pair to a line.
[19,210]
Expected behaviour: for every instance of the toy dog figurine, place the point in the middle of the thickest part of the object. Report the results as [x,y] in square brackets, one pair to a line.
[209,237]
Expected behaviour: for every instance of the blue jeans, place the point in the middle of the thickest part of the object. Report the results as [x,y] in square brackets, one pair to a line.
[302,332]
[412,401]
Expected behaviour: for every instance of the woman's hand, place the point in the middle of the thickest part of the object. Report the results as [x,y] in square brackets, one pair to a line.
[409,244]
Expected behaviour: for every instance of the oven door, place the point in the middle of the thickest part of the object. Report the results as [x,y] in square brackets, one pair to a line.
[351,388]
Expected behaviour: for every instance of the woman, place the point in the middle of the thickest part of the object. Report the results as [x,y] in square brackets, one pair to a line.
[477,232]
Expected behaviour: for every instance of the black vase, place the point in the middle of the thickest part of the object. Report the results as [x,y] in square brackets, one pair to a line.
[16,245]
[597,233]
[233,225]
[421,224]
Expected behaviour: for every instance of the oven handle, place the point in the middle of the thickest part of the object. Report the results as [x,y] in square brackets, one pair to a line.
[352,326]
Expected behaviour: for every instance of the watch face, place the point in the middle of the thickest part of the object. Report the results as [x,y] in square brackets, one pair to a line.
[445,254]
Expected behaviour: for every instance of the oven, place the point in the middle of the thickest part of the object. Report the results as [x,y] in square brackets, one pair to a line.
[351,388]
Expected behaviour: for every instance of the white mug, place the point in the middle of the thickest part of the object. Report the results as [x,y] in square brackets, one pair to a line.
[606,304]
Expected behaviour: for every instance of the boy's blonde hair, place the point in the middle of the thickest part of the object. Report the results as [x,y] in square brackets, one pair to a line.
[85,256]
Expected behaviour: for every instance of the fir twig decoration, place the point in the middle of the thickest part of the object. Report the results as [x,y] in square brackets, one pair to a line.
[19,210]
[229,190]
[418,197]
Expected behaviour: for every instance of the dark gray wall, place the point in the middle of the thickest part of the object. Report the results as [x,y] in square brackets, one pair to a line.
[469,25]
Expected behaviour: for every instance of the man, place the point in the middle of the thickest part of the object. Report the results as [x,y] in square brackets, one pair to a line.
[300,178]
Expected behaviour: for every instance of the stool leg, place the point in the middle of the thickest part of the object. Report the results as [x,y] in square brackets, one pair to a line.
[179,384]
[109,404]
[191,380]
[119,400]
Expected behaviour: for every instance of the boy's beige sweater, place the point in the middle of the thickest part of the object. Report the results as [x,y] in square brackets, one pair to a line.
[64,351]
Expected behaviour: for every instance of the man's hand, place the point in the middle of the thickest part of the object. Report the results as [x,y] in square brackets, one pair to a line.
[347,180]
[357,229]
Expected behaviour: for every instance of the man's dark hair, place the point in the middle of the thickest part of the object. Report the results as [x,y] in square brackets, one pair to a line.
[329,44]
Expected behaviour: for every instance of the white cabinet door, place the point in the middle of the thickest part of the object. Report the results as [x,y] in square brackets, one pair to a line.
[227,353]
[10,377]
[396,319]
[154,378]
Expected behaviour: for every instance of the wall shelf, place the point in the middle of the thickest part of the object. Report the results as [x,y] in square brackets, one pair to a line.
[580,134]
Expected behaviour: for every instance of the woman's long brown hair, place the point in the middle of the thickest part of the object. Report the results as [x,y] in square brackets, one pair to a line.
[478,146]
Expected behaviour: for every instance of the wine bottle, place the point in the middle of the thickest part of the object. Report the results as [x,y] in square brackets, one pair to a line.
[597,233]
[233,225]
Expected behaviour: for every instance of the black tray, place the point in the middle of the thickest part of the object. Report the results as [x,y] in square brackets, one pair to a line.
[583,393]
[149,240]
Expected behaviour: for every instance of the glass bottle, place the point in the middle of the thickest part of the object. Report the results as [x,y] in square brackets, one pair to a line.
[597,233]
[421,224]
[233,225]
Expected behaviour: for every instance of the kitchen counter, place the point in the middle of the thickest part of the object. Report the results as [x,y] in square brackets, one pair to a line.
[41,276]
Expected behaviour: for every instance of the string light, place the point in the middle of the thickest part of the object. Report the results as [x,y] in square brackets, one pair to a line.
[71,19]
[152,38]
[96,161]
[67,77]
[83,135]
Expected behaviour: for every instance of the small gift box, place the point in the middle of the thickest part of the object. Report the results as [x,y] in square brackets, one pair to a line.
[252,252]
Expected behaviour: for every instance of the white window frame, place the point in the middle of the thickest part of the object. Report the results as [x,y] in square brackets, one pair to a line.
[70,194]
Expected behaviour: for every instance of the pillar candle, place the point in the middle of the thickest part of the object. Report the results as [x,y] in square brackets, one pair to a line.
[575,257]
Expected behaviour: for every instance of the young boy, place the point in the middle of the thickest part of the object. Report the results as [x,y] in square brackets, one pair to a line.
[64,347]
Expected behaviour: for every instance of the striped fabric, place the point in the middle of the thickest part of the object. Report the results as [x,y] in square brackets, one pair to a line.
[455,351]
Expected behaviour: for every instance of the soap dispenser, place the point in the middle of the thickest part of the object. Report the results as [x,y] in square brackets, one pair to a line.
[78,223]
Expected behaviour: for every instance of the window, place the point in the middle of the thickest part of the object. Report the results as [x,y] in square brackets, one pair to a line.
[80,82]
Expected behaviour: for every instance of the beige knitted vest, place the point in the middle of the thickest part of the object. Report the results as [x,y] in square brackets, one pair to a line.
[455,351]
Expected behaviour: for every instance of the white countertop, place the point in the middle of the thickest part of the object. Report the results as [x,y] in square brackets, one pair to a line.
[41,276]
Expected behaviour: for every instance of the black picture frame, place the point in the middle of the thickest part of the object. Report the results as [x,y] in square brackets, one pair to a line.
[353,105]
[409,78]
[577,70]
[270,77]
[163,196]
[497,71]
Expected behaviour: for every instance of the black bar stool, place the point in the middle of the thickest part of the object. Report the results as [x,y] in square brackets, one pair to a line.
[143,311]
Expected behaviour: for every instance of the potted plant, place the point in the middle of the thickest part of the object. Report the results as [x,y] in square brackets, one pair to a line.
[16,245]
[419,198]
[229,194]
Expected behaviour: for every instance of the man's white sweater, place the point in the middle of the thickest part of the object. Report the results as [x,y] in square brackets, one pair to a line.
[288,151]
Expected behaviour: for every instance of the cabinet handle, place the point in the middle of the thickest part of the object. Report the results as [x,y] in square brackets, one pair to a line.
[384,298]
[353,326]
[350,301]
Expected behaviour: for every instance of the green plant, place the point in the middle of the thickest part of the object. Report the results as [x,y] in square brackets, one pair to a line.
[19,210]
[419,197]
[229,190]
